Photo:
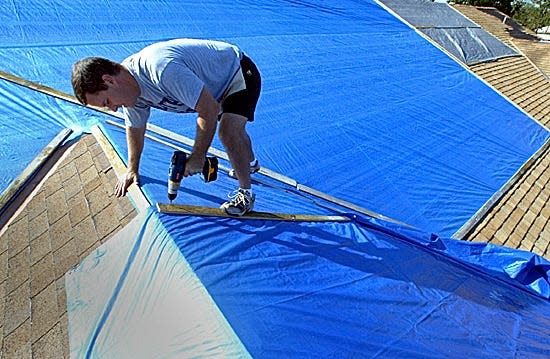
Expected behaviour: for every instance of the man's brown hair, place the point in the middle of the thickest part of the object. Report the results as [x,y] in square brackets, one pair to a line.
[87,76]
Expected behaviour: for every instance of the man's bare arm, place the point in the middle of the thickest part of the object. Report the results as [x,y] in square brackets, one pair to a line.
[135,138]
[207,120]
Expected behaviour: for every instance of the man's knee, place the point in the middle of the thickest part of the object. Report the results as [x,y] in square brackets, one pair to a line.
[231,127]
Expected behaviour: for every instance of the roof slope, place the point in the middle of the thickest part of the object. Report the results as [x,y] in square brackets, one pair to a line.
[36,249]
[521,218]
[68,215]
[511,33]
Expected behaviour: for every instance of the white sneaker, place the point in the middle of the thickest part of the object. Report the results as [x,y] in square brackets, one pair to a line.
[253,169]
[240,203]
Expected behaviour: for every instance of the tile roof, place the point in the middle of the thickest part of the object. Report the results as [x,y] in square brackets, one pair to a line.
[511,33]
[72,209]
[521,218]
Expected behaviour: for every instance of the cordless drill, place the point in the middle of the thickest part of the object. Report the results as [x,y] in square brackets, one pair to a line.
[177,168]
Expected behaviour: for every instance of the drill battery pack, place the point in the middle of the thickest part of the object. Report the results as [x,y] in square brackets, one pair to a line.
[210,169]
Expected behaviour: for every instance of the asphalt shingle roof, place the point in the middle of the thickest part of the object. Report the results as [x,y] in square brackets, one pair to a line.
[69,214]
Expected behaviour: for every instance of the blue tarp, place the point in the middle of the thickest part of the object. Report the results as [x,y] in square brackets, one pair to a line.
[358,289]
[355,104]
[29,121]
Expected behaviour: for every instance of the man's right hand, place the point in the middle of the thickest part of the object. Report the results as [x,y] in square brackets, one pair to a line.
[125,181]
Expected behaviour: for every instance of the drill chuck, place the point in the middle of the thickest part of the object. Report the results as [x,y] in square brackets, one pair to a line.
[175,174]
[173,188]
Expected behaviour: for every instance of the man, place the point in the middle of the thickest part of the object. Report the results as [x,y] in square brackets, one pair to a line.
[212,78]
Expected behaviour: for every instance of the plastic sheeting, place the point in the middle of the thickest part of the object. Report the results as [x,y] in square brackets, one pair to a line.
[28,122]
[135,297]
[355,103]
[360,289]
[452,30]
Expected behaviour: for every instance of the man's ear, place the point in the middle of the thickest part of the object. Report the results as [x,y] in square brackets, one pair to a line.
[108,79]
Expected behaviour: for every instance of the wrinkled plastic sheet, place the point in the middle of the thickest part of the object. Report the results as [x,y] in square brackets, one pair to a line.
[136,297]
[355,103]
[29,121]
[183,286]
[422,13]
[470,45]
[407,133]
[452,30]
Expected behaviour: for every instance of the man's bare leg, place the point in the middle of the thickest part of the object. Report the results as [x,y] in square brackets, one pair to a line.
[237,143]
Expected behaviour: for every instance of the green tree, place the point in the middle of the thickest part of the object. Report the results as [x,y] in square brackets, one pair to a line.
[532,14]
[506,6]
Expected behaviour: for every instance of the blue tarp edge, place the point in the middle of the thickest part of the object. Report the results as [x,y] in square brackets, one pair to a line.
[523,269]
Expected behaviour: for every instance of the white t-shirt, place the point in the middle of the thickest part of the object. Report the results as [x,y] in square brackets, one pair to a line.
[172,74]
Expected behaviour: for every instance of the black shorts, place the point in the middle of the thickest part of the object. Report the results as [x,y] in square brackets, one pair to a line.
[244,102]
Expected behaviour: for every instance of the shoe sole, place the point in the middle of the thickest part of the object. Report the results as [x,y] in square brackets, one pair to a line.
[237,214]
